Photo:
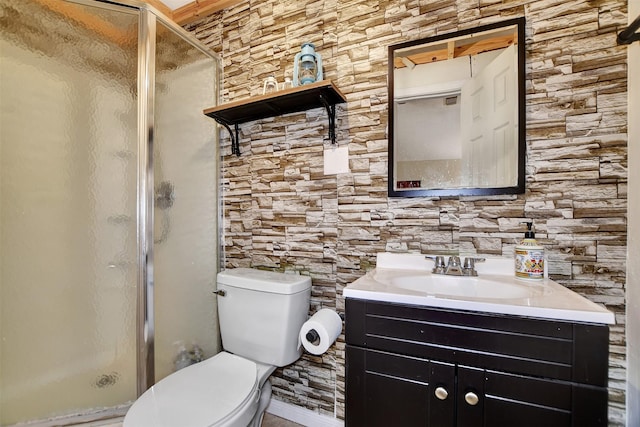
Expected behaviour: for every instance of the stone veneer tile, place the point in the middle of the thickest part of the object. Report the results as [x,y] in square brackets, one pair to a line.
[281,212]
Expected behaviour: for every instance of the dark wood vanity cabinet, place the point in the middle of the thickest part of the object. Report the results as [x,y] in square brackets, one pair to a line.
[415,366]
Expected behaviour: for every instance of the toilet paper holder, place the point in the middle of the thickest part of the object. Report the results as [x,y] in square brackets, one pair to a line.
[313,337]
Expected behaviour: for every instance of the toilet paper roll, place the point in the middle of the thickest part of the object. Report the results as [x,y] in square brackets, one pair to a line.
[320,331]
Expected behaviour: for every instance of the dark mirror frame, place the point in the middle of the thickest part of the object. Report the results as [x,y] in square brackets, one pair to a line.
[464,191]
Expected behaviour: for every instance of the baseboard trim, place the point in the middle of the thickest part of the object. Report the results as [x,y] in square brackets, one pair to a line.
[301,415]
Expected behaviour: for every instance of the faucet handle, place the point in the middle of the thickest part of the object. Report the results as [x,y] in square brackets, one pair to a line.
[470,265]
[437,259]
[438,263]
[470,262]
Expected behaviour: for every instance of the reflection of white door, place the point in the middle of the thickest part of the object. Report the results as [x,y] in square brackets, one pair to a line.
[489,120]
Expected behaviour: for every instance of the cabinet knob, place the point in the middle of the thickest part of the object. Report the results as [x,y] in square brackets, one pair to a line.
[471,398]
[441,393]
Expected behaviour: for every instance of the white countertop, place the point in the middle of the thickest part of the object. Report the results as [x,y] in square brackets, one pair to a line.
[398,278]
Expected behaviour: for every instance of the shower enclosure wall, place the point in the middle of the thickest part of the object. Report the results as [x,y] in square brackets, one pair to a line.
[108,205]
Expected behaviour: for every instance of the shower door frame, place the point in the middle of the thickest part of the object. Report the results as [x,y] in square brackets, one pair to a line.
[145,327]
[145,324]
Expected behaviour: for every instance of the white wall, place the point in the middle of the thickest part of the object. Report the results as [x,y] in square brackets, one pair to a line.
[633,232]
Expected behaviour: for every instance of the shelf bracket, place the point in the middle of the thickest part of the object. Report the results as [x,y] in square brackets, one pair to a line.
[331,112]
[235,141]
[630,34]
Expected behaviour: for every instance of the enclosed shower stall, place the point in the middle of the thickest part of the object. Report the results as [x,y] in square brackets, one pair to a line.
[108,205]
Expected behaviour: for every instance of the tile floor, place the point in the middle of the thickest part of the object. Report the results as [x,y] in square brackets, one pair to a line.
[270,420]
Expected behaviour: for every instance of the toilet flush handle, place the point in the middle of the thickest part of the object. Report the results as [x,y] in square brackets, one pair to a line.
[220,292]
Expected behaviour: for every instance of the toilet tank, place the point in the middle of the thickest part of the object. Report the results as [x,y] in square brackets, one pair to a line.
[261,314]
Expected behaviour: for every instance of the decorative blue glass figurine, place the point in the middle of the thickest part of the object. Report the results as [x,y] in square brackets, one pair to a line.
[307,66]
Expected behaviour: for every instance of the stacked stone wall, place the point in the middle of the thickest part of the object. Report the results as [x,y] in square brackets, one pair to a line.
[282,212]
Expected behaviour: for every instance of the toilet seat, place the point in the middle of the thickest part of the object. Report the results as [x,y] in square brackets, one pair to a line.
[220,391]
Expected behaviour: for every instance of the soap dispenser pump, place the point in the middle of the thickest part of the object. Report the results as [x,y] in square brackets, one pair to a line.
[529,256]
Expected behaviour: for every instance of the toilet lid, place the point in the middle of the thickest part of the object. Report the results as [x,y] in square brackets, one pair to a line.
[197,396]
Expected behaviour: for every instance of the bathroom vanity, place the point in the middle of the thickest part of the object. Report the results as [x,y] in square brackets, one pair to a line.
[536,356]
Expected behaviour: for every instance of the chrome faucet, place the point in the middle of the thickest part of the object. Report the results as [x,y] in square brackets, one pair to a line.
[453,266]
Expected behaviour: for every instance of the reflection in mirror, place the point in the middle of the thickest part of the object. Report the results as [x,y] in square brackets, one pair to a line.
[457,123]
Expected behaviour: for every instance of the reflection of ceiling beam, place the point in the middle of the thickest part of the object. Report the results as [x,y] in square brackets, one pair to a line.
[83,37]
[407,62]
[79,15]
[455,49]
[451,47]
[183,15]
[486,45]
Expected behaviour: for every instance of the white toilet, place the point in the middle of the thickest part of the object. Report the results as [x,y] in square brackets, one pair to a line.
[260,314]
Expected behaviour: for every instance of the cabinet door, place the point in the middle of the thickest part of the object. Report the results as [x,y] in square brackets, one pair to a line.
[470,396]
[524,401]
[512,400]
[442,399]
[385,389]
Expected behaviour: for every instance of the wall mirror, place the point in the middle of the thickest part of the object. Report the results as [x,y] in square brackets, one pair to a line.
[457,124]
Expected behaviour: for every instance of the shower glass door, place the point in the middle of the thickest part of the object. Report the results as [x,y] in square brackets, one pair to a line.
[68,201]
[186,172]
[108,206]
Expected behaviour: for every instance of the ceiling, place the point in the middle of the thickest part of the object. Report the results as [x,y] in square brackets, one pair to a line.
[174,4]
[185,11]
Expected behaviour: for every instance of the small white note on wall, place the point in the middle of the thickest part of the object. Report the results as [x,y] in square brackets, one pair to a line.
[336,160]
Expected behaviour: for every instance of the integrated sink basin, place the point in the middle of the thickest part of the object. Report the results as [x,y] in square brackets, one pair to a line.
[490,287]
[408,279]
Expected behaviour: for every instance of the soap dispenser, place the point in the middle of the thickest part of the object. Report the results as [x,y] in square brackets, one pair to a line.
[529,256]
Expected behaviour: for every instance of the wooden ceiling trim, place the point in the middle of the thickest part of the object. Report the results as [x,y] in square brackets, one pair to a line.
[200,9]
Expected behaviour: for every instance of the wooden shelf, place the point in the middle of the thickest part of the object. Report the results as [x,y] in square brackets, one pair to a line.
[320,94]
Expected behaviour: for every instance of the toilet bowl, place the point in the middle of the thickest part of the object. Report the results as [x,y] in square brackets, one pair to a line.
[224,390]
[260,314]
